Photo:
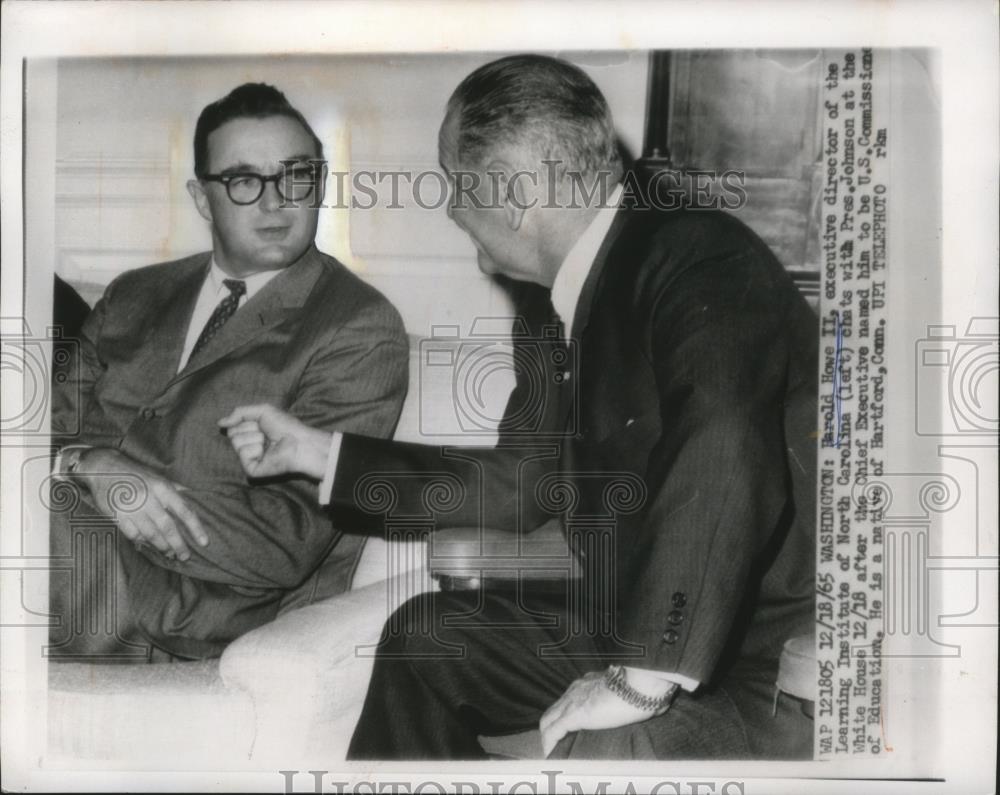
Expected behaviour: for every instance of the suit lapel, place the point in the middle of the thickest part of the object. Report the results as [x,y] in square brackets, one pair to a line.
[589,292]
[168,331]
[569,398]
[280,298]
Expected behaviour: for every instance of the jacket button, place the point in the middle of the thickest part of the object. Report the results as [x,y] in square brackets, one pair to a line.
[675,617]
[148,414]
[670,636]
[678,599]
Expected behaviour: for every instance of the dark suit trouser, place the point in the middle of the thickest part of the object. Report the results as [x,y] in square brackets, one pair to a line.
[87,595]
[453,666]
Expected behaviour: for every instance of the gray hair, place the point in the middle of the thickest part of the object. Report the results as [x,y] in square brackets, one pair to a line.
[545,104]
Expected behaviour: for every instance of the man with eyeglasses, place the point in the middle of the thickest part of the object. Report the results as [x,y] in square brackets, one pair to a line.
[200,555]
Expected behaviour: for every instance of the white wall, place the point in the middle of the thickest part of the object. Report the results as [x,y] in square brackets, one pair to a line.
[123,155]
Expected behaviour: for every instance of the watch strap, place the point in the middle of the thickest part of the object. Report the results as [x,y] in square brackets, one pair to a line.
[616,680]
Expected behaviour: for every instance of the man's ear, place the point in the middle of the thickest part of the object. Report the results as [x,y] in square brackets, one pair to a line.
[197,191]
[512,194]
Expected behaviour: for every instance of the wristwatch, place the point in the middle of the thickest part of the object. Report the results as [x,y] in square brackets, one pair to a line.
[75,458]
[617,682]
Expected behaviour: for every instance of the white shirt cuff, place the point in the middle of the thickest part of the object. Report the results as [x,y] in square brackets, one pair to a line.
[332,457]
[637,675]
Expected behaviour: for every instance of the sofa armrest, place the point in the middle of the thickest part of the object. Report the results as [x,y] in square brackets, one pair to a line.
[307,672]
[467,557]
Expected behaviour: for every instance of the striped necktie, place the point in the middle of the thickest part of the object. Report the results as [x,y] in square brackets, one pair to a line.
[226,309]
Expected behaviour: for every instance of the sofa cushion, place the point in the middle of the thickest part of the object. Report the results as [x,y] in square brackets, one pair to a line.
[146,715]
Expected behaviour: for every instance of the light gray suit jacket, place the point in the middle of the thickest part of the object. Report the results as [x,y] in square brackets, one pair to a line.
[315,341]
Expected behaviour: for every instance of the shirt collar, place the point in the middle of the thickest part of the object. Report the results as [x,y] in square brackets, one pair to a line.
[576,266]
[254,282]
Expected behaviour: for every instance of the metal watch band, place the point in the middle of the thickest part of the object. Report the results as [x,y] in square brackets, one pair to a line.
[617,682]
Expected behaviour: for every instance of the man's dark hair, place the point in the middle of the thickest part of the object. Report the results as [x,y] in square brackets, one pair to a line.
[249,101]
[543,103]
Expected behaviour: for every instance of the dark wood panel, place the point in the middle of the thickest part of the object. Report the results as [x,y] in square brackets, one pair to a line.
[755,112]
[750,110]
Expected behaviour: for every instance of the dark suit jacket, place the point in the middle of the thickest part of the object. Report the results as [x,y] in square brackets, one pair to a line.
[315,341]
[688,423]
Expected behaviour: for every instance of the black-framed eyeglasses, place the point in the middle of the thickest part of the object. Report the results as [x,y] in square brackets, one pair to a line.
[294,183]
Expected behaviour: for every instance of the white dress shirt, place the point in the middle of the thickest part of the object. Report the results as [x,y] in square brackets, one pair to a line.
[213,291]
[576,266]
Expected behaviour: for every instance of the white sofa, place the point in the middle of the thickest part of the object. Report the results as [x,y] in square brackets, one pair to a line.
[290,690]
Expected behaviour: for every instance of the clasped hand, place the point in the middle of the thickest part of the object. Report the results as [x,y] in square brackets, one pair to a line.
[161,517]
[586,704]
[268,442]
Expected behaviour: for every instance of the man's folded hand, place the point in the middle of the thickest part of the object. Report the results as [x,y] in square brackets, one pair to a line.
[161,516]
[586,704]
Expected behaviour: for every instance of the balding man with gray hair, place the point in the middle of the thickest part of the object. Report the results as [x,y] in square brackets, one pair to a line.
[683,430]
